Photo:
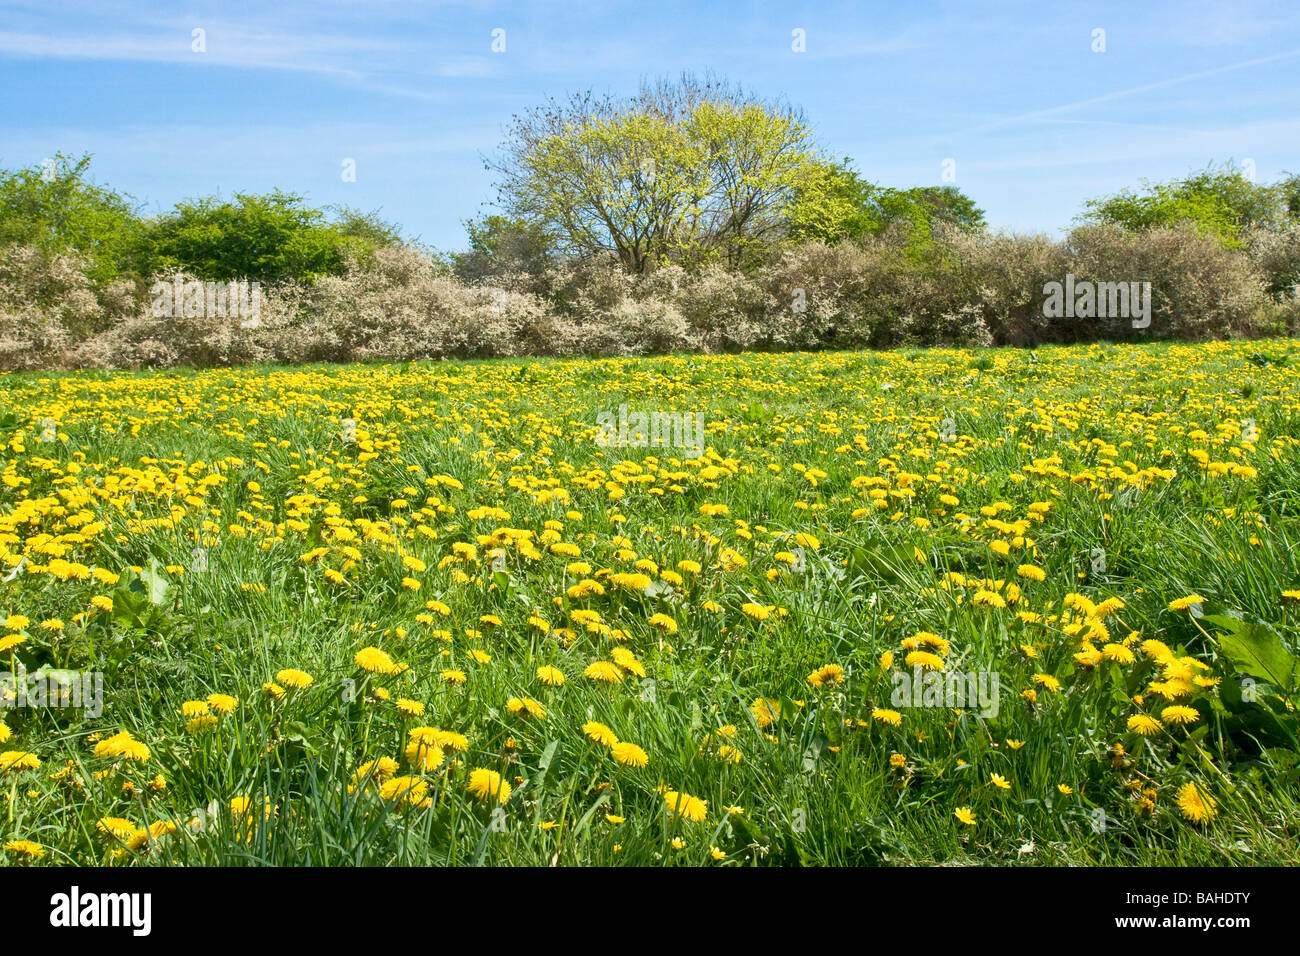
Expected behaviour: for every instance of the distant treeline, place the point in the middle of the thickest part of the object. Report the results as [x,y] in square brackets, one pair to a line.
[689,216]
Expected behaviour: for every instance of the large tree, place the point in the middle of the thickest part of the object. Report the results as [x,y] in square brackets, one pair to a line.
[692,170]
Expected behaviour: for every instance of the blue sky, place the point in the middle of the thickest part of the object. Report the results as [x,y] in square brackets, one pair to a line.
[1034,120]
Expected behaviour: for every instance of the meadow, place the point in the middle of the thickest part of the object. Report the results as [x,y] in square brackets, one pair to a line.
[432,613]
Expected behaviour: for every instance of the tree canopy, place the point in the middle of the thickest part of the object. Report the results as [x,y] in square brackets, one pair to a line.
[55,207]
[694,170]
[833,202]
[1219,200]
[271,237]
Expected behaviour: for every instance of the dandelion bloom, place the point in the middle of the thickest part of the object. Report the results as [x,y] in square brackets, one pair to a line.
[1184,603]
[374,661]
[551,676]
[599,733]
[13,760]
[627,661]
[373,770]
[1195,804]
[925,660]
[159,829]
[1157,650]
[241,805]
[442,739]
[525,707]
[1144,724]
[584,589]
[1118,653]
[488,784]
[25,848]
[296,679]
[118,827]
[1031,572]
[424,755]
[604,671]
[663,623]
[122,745]
[409,708]
[634,581]
[1047,681]
[766,712]
[1179,714]
[452,677]
[886,716]
[986,598]
[201,723]
[222,703]
[828,675]
[410,790]
[928,639]
[629,755]
[686,806]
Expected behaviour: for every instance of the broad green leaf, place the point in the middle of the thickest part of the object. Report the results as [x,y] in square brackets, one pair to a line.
[1256,650]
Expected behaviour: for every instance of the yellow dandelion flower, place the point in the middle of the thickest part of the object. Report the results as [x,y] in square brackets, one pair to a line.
[685,806]
[1144,724]
[488,785]
[1179,714]
[25,848]
[604,671]
[551,676]
[630,755]
[599,733]
[408,790]
[1195,804]
[374,661]
[294,679]
[828,675]
[886,716]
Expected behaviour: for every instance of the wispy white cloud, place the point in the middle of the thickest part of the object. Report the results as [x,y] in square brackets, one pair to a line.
[1055,111]
[225,44]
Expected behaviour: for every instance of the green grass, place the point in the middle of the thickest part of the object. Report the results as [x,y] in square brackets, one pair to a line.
[121,489]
